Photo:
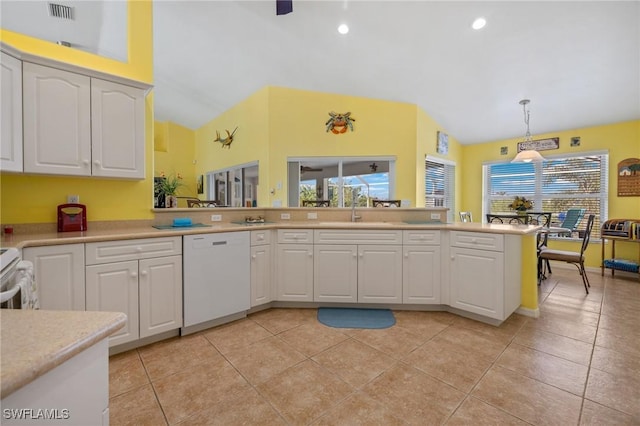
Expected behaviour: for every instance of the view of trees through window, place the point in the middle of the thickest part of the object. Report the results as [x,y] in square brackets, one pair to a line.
[555,185]
[337,180]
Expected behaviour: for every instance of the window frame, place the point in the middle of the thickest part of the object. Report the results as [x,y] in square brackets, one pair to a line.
[449,185]
[539,194]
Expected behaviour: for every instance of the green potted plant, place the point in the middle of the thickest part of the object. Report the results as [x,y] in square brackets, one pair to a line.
[169,188]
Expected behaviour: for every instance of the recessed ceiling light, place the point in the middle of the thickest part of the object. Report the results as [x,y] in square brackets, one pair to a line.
[343,29]
[479,23]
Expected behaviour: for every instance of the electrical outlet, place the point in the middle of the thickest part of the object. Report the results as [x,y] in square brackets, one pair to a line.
[73,199]
[435,216]
[216,217]
[285,216]
[312,215]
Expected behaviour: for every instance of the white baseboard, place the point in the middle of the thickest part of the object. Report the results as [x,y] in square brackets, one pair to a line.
[533,313]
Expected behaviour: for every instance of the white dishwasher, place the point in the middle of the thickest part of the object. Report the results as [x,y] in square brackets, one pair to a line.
[217,278]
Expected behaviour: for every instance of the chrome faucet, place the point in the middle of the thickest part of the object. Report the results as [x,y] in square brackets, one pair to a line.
[354,217]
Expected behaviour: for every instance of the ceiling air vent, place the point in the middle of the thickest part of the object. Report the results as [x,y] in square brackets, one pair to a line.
[60,11]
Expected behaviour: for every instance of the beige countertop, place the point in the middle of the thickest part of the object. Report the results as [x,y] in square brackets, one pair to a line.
[21,240]
[35,341]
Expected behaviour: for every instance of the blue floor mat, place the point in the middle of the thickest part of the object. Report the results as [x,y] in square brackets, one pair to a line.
[356,317]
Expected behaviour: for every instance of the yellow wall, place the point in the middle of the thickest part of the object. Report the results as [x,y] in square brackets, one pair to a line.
[277,123]
[33,198]
[177,157]
[251,140]
[426,142]
[621,140]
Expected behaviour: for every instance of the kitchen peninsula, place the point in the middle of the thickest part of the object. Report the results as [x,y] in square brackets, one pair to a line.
[397,258]
[56,361]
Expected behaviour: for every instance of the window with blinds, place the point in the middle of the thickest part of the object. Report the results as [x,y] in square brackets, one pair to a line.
[439,186]
[554,185]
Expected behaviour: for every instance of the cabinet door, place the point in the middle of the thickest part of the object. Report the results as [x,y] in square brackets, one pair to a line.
[11,114]
[114,287]
[57,121]
[380,274]
[295,272]
[261,275]
[160,292]
[421,274]
[117,130]
[477,281]
[59,272]
[335,273]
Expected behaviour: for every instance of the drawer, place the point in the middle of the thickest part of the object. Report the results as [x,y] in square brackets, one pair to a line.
[116,251]
[358,236]
[477,240]
[295,236]
[421,237]
[259,238]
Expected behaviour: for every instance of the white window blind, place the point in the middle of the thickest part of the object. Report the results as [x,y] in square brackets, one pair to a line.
[439,189]
[554,185]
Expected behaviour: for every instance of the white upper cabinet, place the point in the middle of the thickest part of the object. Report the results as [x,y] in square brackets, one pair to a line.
[57,121]
[11,114]
[83,126]
[117,131]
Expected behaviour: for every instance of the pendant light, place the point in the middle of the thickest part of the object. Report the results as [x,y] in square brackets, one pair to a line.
[528,155]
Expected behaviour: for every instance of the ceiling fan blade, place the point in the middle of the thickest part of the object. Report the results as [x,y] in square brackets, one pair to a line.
[309,169]
[284,6]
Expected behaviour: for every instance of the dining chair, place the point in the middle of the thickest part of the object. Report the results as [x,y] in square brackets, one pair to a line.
[316,203]
[466,217]
[572,257]
[201,203]
[387,203]
[508,219]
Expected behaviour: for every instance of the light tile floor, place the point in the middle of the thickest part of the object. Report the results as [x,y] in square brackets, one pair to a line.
[579,363]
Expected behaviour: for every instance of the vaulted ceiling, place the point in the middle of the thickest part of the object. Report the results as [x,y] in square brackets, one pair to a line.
[578,61]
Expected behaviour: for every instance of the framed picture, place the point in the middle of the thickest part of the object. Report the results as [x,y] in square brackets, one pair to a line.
[443,143]
[200,184]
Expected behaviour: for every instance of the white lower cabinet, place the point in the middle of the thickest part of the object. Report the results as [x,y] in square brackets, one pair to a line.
[59,273]
[363,266]
[145,283]
[485,273]
[335,273]
[114,287]
[261,261]
[294,265]
[379,274]
[421,267]
[421,275]
[294,278]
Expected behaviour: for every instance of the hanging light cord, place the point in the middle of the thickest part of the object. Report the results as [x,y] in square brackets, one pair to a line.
[527,136]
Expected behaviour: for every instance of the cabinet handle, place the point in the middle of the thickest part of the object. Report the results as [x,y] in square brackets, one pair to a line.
[134,275]
[96,162]
[253,256]
[453,258]
[474,241]
[406,255]
[143,273]
[139,249]
[85,162]
[355,254]
[310,254]
[260,237]
[361,254]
